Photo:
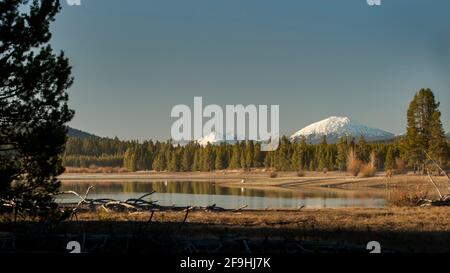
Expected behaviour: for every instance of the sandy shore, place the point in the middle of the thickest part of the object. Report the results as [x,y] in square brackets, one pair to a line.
[336,181]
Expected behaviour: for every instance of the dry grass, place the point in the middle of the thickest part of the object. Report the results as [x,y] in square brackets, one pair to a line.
[401,166]
[96,169]
[406,197]
[389,219]
[369,169]
[353,163]
[398,229]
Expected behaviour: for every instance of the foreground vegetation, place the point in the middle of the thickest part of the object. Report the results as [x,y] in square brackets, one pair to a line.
[288,231]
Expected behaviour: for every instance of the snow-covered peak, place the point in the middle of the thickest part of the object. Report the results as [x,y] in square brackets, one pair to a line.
[216,138]
[335,128]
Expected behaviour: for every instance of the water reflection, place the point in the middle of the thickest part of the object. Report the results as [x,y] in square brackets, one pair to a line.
[204,193]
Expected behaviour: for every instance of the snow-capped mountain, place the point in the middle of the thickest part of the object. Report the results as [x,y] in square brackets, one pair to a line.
[334,128]
[217,138]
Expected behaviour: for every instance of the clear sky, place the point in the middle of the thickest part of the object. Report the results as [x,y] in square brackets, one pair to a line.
[133,60]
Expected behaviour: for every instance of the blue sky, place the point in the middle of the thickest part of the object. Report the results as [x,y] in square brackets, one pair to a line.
[134,60]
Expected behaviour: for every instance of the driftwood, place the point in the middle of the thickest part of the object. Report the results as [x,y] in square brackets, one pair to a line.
[437,165]
[133,205]
[434,184]
[240,208]
[444,200]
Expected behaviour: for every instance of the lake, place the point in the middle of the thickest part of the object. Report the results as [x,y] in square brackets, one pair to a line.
[205,193]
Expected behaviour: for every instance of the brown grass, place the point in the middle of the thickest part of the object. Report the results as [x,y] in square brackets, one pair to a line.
[401,166]
[399,229]
[369,169]
[406,197]
[96,169]
[353,163]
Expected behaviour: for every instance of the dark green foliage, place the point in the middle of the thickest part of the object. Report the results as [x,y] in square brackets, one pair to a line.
[424,131]
[33,105]
[162,156]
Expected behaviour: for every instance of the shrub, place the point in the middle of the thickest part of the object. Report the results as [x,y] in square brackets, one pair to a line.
[300,173]
[353,163]
[406,198]
[369,169]
[273,175]
[401,166]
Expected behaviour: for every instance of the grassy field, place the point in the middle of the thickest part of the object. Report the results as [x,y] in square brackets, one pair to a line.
[397,229]
[287,231]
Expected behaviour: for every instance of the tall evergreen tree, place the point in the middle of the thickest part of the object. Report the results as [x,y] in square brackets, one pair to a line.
[235,161]
[33,106]
[424,130]
[362,149]
[389,163]
[249,154]
[342,151]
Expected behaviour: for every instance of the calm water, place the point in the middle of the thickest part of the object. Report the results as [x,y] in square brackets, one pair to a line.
[200,193]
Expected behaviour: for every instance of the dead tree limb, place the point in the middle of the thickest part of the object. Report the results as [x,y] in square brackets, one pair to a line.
[187,213]
[437,165]
[140,198]
[240,208]
[434,184]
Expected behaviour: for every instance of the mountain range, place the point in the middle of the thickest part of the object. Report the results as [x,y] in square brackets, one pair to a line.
[334,128]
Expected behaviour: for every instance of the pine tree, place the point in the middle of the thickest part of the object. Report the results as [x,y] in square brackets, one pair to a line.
[186,160]
[282,158]
[243,157]
[235,161]
[249,153]
[258,158]
[342,151]
[33,106]
[389,164]
[311,166]
[173,162]
[208,158]
[424,130]
[296,160]
[130,159]
[437,144]
[196,163]
[362,150]
[221,158]
[160,163]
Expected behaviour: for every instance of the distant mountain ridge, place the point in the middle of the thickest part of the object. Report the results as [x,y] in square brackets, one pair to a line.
[334,128]
[71,132]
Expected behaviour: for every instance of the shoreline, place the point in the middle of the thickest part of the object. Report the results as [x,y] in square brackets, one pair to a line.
[337,181]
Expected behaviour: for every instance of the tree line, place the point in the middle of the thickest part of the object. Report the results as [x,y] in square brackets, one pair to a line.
[163,156]
[424,135]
